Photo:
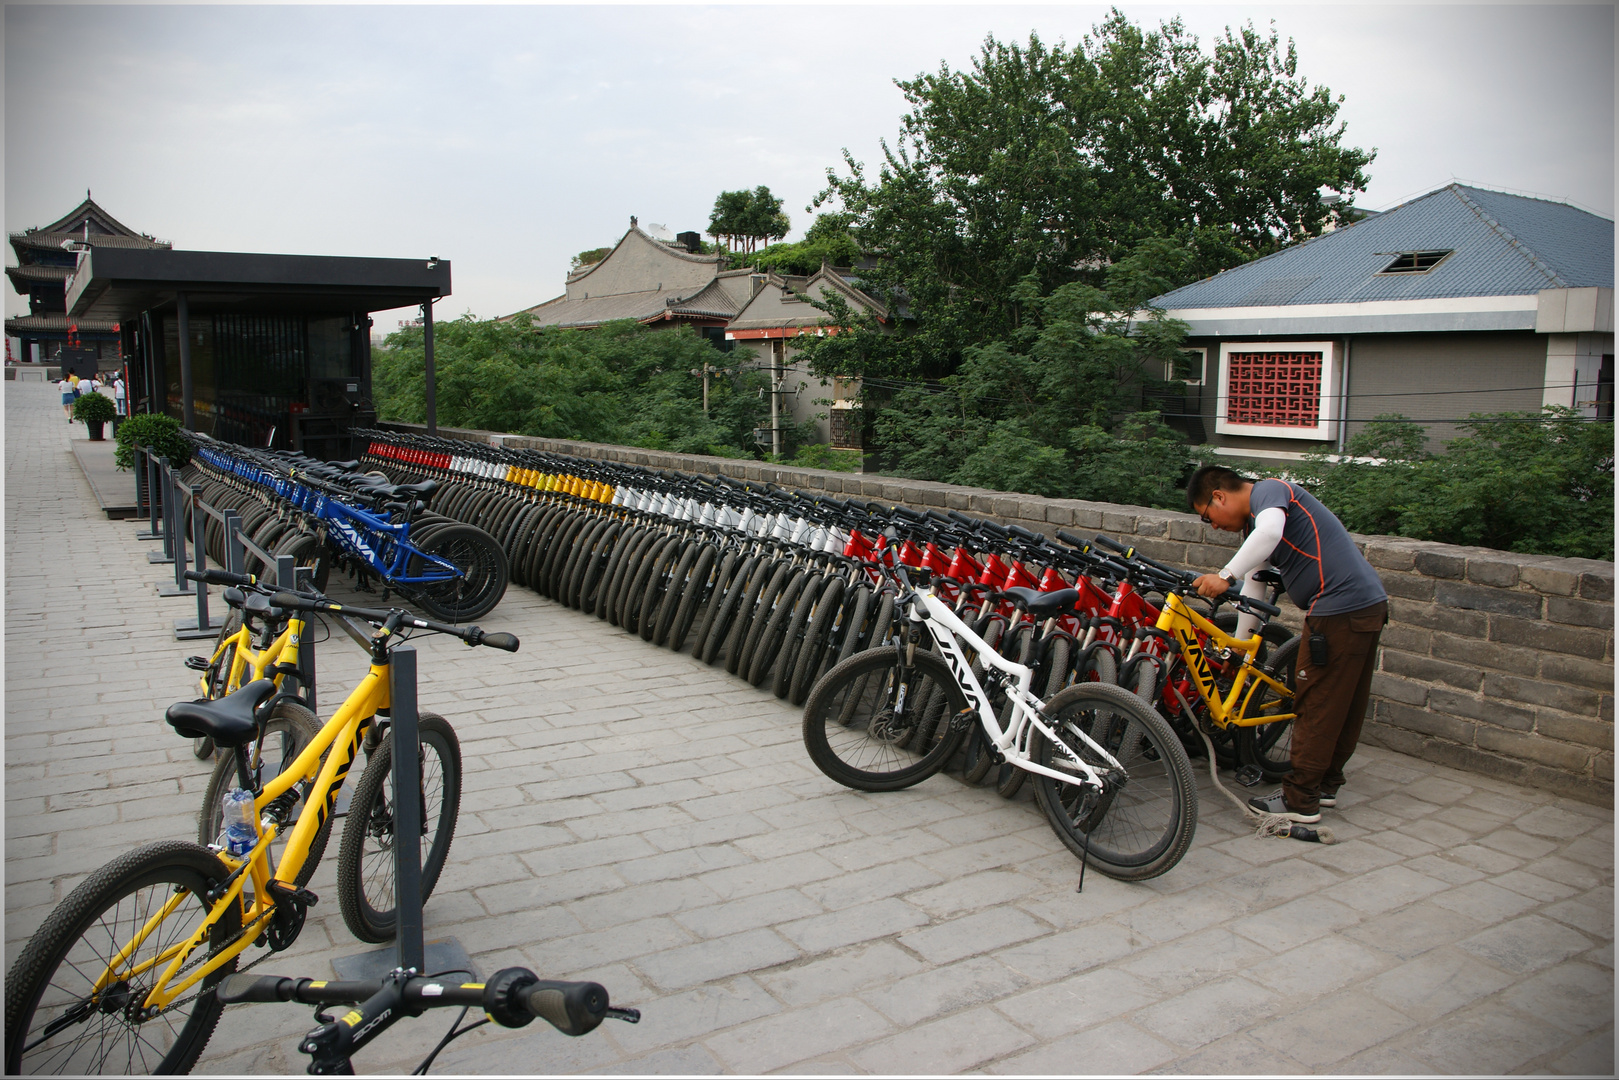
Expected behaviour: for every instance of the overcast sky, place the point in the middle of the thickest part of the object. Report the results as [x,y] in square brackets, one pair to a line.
[506,139]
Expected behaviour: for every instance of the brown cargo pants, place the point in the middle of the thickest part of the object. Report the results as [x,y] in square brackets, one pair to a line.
[1330,702]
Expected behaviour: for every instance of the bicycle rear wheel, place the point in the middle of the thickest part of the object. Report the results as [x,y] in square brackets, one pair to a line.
[861,720]
[1134,829]
[57,1023]
[365,856]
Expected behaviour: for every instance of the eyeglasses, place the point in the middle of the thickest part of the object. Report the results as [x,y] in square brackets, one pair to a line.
[1205,516]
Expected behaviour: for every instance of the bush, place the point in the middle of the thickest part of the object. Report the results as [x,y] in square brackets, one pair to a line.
[1532,482]
[93,409]
[156,432]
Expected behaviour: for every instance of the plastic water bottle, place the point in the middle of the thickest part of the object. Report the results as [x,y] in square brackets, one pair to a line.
[240,831]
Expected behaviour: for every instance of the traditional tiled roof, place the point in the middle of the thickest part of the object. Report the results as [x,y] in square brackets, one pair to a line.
[37,272]
[595,310]
[1501,244]
[805,314]
[104,231]
[58,324]
[713,301]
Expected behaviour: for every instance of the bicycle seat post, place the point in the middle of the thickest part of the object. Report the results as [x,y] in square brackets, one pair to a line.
[407,770]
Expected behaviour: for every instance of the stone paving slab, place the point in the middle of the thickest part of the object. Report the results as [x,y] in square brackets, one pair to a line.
[633,816]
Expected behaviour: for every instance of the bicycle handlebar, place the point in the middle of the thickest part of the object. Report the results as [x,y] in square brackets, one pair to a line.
[222,577]
[472,635]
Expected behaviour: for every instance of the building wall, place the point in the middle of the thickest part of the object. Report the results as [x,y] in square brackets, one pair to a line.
[1478,372]
[1436,379]
[1494,662]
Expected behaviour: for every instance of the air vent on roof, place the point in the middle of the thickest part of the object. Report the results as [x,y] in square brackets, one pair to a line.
[1415,262]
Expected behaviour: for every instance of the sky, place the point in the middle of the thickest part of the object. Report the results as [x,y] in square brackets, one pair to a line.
[508,138]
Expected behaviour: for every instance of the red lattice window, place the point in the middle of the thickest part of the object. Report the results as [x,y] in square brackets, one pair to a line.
[1274,389]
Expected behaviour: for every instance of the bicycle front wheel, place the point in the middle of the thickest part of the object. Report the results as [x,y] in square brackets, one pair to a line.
[479,584]
[1137,826]
[861,720]
[365,856]
[1270,746]
[57,1022]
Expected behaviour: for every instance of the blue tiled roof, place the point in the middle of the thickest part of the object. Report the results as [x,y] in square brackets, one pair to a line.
[1505,245]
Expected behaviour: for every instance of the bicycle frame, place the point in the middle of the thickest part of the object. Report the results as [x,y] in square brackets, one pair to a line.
[949,631]
[342,733]
[284,649]
[1231,710]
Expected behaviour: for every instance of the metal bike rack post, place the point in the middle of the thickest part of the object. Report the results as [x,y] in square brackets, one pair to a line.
[289,575]
[158,495]
[173,493]
[146,469]
[233,543]
[407,777]
[201,626]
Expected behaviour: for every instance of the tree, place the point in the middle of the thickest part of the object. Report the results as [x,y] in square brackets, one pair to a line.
[618,383]
[743,218]
[588,258]
[1058,162]
[828,241]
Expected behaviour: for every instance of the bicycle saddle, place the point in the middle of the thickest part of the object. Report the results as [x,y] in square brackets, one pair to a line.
[1043,605]
[229,721]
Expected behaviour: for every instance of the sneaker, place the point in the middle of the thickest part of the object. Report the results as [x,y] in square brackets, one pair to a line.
[1276,804]
[1328,798]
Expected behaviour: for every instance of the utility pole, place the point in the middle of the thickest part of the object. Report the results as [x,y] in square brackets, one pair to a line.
[704,372]
[778,353]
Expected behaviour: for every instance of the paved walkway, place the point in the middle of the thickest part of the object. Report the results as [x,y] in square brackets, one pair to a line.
[637,818]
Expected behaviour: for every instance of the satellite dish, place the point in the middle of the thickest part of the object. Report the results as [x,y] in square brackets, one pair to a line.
[660,232]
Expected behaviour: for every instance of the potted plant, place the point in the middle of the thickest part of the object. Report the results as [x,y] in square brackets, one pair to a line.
[95,410]
[156,432]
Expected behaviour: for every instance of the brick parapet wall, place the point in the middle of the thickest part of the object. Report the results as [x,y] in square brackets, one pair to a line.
[1493,662]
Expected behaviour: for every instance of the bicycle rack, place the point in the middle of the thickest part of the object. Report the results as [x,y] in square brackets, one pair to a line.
[145,487]
[407,770]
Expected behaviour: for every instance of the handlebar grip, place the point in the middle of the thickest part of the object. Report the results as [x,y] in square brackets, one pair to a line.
[573,1008]
[291,601]
[1018,530]
[1109,543]
[1069,538]
[507,642]
[906,512]
[1234,596]
[221,577]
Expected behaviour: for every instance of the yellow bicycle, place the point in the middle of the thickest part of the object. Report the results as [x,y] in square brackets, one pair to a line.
[121,975]
[251,645]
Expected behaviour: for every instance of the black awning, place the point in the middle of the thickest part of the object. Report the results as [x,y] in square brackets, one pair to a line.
[116,283]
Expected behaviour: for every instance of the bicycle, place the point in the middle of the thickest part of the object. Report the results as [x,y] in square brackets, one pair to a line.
[455,571]
[1234,692]
[125,968]
[1109,774]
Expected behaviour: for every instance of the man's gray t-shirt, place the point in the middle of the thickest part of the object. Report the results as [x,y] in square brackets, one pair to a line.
[1325,573]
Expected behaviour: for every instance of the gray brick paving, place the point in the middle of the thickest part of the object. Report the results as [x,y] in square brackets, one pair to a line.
[635,817]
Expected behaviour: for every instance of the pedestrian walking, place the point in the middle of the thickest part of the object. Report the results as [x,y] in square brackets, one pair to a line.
[68,396]
[120,399]
[1344,607]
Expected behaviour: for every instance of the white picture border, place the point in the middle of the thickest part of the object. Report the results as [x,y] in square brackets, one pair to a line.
[1326,409]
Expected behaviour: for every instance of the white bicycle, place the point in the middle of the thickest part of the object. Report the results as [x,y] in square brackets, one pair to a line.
[1110,775]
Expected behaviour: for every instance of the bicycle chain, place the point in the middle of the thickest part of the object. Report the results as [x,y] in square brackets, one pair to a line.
[173,1005]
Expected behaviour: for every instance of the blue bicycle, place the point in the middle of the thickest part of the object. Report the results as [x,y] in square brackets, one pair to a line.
[453,571]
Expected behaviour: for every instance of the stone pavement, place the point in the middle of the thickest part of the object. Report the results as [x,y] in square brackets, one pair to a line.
[635,817]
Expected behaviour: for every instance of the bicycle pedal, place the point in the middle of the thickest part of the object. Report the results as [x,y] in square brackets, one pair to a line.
[197,663]
[1249,776]
[283,891]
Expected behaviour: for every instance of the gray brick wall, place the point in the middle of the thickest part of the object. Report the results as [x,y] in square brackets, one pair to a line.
[1497,663]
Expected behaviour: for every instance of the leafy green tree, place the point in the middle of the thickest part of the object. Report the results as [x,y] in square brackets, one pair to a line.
[828,241]
[1059,162]
[743,218]
[1050,409]
[619,383]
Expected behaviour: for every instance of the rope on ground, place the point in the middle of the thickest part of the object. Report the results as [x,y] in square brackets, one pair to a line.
[1265,824]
